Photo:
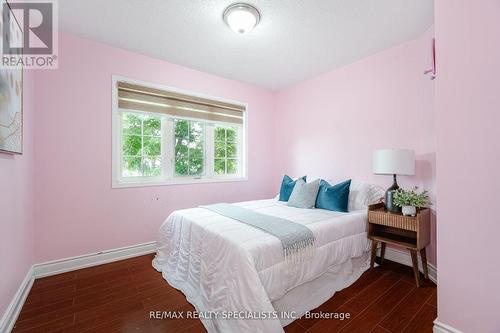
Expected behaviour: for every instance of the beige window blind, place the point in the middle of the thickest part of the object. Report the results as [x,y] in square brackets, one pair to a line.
[136,97]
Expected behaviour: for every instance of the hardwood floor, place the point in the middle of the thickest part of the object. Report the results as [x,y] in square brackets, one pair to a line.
[119,296]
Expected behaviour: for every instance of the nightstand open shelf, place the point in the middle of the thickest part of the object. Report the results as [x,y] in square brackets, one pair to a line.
[411,232]
[395,239]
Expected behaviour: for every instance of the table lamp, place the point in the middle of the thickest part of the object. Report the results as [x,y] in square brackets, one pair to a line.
[393,162]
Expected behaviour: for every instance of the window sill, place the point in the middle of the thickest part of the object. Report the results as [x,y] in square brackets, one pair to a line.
[127,184]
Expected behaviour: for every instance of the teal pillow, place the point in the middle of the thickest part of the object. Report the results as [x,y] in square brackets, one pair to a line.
[333,197]
[287,185]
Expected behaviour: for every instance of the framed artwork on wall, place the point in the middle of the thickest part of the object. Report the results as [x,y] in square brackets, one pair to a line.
[11,87]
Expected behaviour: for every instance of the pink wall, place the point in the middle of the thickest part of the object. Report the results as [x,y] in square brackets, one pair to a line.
[329,126]
[468,116]
[326,126]
[77,211]
[16,206]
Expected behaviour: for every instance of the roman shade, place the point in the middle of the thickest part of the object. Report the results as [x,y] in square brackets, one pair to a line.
[140,98]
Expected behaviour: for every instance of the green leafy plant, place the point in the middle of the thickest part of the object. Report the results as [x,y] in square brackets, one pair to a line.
[142,147]
[410,198]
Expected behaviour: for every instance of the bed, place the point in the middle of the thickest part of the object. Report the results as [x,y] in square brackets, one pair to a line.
[235,275]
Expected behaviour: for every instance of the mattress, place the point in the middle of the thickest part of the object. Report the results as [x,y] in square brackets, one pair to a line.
[235,272]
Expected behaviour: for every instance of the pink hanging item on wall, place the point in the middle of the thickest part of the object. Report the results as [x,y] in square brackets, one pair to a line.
[432,71]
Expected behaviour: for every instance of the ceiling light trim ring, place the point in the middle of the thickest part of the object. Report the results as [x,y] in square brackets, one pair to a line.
[244,7]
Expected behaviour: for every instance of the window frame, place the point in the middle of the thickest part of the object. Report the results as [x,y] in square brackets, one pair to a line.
[171,121]
[162,152]
[239,149]
[167,151]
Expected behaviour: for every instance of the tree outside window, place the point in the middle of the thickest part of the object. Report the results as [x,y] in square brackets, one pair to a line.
[141,145]
[226,150]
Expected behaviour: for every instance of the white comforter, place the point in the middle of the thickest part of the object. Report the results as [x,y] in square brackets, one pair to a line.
[223,265]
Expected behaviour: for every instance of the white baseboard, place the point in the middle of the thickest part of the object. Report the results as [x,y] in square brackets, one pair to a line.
[439,327]
[12,312]
[404,258]
[92,259]
[65,265]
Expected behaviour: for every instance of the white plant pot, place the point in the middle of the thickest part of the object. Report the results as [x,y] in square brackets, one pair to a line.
[409,210]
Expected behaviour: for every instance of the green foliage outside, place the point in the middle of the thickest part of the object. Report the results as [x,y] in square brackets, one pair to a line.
[410,198]
[142,143]
[189,147]
[226,154]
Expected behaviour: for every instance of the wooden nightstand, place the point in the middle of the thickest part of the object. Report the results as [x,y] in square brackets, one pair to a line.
[410,232]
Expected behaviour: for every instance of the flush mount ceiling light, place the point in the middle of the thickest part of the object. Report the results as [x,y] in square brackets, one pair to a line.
[241,17]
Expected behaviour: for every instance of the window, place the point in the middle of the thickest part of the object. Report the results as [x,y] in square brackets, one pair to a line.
[226,150]
[165,137]
[189,147]
[141,145]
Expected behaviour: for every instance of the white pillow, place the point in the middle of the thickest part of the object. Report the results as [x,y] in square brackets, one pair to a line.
[362,194]
[304,194]
[312,178]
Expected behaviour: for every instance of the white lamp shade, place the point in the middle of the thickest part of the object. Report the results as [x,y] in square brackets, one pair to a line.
[394,162]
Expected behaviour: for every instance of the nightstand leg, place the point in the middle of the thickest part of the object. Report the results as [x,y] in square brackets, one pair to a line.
[374,253]
[414,260]
[423,255]
[382,253]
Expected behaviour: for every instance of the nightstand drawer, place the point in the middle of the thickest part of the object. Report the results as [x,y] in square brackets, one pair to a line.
[393,220]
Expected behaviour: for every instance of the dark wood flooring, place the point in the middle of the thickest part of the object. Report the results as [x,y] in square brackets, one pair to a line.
[119,296]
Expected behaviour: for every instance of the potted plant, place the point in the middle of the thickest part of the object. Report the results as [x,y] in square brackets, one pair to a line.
[409,201]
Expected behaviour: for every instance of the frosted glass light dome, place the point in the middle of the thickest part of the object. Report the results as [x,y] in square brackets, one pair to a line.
[241,17]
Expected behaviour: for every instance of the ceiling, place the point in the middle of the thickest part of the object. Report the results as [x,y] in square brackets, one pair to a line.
[295,39]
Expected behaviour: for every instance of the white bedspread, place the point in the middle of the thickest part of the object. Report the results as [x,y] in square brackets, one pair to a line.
[223,265]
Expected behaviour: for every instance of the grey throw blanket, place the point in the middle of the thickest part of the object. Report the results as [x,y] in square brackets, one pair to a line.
[297,240]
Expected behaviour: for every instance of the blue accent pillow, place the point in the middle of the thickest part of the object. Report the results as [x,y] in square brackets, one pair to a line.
[287,185]
[333,197]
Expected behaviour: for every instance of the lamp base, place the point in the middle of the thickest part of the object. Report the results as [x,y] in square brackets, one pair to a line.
[389,205]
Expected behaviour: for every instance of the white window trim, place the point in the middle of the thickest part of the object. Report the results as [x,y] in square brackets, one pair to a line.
[168,172]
